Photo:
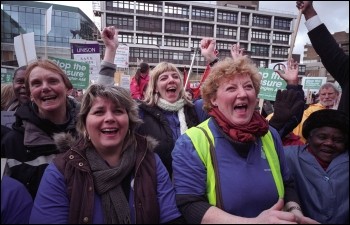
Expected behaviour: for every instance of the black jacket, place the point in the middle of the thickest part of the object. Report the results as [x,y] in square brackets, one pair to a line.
[156,125]
[29,147]
[334,60]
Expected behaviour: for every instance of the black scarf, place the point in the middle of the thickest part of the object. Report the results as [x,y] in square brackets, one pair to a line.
[108,184]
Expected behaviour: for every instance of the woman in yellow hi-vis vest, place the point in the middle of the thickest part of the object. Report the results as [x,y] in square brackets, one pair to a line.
[231,168]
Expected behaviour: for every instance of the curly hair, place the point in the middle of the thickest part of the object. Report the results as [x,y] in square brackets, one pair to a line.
[228,69]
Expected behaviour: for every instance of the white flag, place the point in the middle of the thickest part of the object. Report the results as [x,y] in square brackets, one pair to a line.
[48,20]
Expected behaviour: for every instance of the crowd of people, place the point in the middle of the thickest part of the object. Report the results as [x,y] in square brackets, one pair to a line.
[154,155]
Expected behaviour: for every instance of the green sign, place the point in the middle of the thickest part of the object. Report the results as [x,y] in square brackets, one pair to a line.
[77,72]
[271,82]
[6,78]
[313,83]
[6,75]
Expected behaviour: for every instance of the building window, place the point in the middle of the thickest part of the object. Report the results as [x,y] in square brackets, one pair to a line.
[202,30]
[202,14]
[120,6]
[244,34]
[121,22]
[148,24]
[125,38]
[226,32]
[279,52]
[176,42]
[149,8]
[260,36]
[148,39]
[280,38]
[176,27]
[261,21]
[260,50]
[244,19]
[282,24]
[176,11]
[227,17]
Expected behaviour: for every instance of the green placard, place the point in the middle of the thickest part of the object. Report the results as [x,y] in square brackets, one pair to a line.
[6,78]
[77,72]
[271,82]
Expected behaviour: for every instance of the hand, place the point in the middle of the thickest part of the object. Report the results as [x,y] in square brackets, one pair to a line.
[110,37]
[208,49]
[288,111]
[306,8]
[275,215]
[236,51]
[290,74]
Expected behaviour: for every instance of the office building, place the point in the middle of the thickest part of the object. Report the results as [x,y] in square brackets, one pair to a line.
[172,30]
[20,17]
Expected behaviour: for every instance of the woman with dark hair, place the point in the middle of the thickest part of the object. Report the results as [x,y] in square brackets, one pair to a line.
[109,174]
[139,82]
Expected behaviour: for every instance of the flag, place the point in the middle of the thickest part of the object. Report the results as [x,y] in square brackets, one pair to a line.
[196,90]
[48,19]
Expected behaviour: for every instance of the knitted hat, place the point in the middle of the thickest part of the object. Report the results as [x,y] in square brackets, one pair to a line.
[326,118]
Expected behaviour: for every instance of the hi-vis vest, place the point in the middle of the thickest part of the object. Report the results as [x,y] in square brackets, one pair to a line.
[202,147]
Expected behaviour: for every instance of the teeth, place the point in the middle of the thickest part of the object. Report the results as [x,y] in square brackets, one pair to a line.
[109,130]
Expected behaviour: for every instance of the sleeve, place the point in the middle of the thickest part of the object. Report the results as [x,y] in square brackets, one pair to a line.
[106,74]
[16,202]
[135,89]
[189,177]
[51,204]
[333,57]
[166,194]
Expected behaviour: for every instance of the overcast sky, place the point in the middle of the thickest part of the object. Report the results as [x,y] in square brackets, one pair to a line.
[335,15]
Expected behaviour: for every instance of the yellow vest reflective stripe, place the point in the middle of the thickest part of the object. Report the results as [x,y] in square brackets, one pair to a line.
[202,147]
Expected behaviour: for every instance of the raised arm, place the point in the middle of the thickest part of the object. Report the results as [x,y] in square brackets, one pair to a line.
[110,39]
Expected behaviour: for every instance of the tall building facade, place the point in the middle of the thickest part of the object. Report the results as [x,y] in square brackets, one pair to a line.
[172,30]
[20,17]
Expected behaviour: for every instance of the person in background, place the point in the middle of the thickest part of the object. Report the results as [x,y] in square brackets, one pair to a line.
[165,111]
[321,167]
[328,95]
[333,57]
[29,147]
[231,168]
[7,96]
[19,88]
[110,175]
[139,82]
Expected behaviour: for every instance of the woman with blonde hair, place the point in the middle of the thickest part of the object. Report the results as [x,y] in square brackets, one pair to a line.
[7,96]
[165,111]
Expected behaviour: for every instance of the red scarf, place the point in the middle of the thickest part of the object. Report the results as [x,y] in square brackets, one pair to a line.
[257,127]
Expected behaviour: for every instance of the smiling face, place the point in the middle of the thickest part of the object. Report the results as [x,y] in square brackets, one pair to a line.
[107,125]
[326,143]
[48,91]
[169,86]
[19,87]
[236,99]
